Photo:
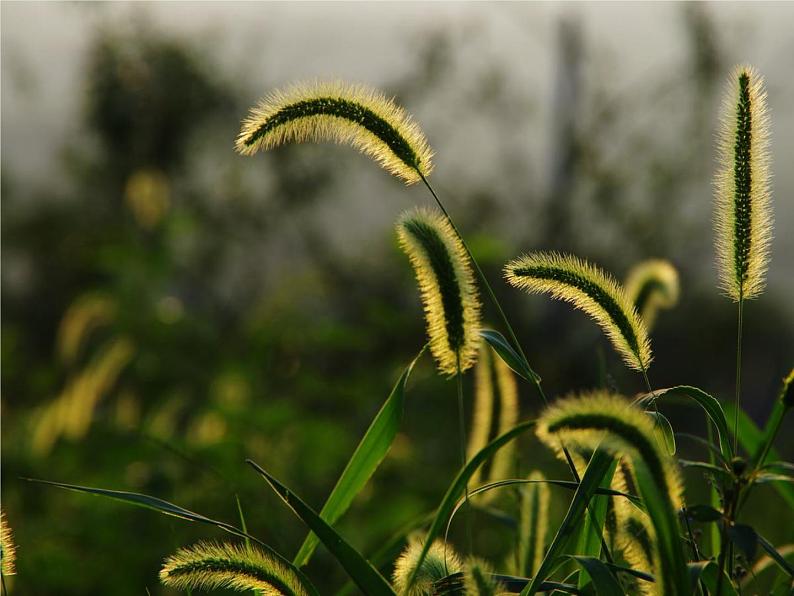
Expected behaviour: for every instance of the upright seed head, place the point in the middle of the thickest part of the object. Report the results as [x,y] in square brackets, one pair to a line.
[652,285]
[209,566]
[743,210]
[440,561]
[344,113]
[533,524]
[591,290]
[446,282]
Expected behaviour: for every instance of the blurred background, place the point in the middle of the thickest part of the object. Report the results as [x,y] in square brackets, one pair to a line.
[171,308]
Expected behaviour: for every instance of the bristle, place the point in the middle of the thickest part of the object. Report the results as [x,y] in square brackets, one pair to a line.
[208,566]
[650,286]
[8,550]
[743,210]
[533,524]
[344,113]
[446,282]
[440,561]
[591,290]
[478,579]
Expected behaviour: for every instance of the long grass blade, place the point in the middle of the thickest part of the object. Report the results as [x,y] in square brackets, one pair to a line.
[357,567]
[365,460]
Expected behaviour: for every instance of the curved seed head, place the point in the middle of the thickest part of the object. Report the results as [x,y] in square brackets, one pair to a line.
[743,209]
[335,111]
[8,550]
[652,285]
[440,561]
[208,566]
[449,295]
[591,290]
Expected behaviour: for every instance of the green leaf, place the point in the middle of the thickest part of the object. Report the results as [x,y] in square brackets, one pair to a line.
[751,438]
[711,468]
[707,572]
[365,460]
[703,513]
[709,404]
[663,431]
[511,358]
[357,567]
[161,506]
[599,466]
[459,484]
[775,555]
[603,581]
[589,540]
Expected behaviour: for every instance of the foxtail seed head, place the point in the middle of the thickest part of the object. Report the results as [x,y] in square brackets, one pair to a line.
[8,551]
[590,289]
[743,210]
[651,286]
[440,561]
[344,113]
[446,282]
[208,566]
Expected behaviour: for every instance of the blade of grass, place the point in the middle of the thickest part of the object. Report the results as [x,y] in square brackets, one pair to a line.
[458,486]
[357,567]
[600,575]
[365,460]
[598,467]
[511,358]
[161,506]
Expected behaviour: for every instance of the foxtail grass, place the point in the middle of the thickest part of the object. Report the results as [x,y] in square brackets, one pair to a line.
[208,566]
[449,294]
[652,285]
[335,111]
[533,524]
[439,562]
[8,550]
[591,290]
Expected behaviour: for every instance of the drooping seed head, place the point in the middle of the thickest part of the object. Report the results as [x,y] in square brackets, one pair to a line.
[606,421]
[449,294]
[439,562]
[209,566]
[8,551]
[743,210]
[652,285]
[591,290]
[533,524]
[344,113]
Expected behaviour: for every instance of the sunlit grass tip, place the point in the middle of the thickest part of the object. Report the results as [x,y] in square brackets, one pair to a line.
[478,579]
[449,294]
[341,112]
[209,566]
[743,209]
[8,550]
[591,290]
[652,285]
[440,561]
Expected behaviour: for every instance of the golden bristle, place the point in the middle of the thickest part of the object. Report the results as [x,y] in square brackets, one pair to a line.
[652,285]
[446,283]
[336,111]
[440,561]
[743,200]
[8,550]
[209,566]
[591,290]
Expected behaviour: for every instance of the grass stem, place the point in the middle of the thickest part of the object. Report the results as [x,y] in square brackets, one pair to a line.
[738,375]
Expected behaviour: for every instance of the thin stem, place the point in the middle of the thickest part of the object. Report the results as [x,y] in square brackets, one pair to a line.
[738,375]
[509,328]
[462,433]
